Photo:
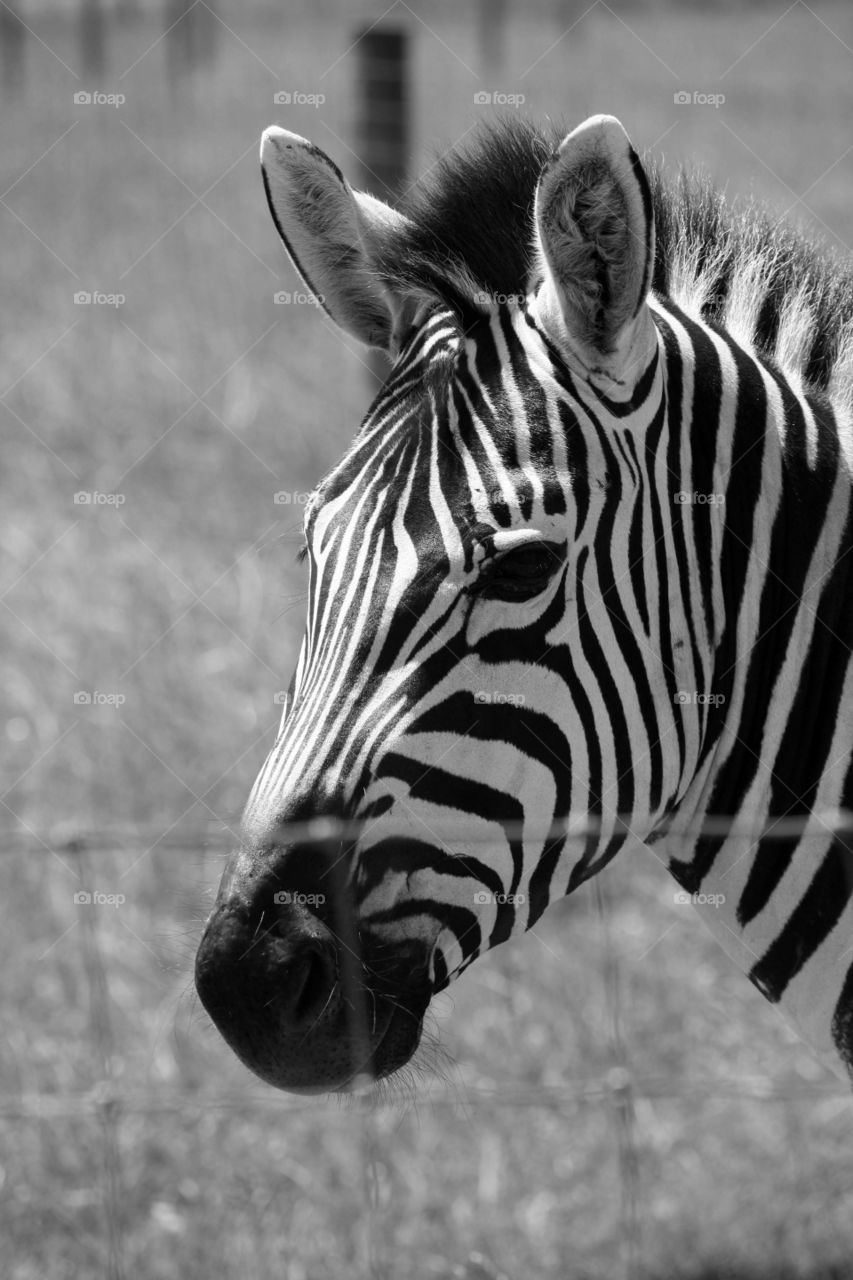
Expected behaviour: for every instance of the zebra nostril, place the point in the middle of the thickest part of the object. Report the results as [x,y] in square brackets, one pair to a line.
[309,987]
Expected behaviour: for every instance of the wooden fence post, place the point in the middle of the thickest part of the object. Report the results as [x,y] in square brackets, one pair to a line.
[13,49]
[382,129]
[93,42]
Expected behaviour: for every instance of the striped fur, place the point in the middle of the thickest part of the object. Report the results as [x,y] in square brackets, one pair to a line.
[688,654]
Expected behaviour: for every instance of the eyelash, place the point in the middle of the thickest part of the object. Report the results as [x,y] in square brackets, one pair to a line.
[302,554]
[512,576]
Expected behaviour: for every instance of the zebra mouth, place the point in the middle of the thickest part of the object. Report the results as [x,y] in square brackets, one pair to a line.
[394,1047]
[334,1057]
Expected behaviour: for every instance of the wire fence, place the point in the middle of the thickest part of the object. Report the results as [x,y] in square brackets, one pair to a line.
[618,1089]
[217,837]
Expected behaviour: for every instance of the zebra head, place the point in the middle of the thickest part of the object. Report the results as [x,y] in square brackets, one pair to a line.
[486,650]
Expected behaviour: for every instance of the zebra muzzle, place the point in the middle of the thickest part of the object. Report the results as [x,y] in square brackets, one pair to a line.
[306,1000]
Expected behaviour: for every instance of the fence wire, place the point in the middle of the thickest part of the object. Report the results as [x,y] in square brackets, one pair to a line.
[218,837]
[617,1091]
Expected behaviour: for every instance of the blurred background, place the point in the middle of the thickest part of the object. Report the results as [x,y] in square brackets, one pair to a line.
[610,1098]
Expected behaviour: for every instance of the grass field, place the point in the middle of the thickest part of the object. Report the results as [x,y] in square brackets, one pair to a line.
[612,1098]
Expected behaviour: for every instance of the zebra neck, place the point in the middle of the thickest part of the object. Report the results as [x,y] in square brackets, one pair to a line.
[781,659]
[768,528]
[777,740]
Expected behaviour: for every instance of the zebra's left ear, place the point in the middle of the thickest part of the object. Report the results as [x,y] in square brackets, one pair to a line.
[596,237]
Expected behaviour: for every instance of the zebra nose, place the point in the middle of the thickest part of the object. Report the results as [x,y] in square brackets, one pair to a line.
[269,958]
[289,979]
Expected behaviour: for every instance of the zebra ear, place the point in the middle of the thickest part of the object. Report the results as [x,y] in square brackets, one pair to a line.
[328,230]
[595,233]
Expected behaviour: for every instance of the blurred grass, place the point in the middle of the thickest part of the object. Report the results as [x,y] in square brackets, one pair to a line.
[185,601]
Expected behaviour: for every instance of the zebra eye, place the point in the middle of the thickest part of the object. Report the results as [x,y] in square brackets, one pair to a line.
[520,574]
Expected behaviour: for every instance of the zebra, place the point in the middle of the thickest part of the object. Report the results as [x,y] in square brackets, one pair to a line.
[586,557]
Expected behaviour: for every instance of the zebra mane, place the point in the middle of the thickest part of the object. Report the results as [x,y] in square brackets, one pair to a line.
[766,283]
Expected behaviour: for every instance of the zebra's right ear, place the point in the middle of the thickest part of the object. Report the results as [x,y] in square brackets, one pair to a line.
[329,230]
[596,237]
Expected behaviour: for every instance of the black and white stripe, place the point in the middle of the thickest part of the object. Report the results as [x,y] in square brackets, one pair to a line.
[677,473]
